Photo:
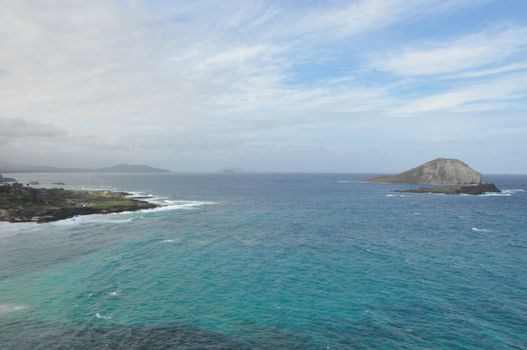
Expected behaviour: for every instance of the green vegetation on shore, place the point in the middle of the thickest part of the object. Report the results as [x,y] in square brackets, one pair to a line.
[20,203]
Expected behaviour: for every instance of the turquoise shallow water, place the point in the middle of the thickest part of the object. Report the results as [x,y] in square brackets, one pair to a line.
[270,261]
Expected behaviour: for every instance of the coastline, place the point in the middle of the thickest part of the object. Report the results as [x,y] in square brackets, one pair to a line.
[19,204]
[474,190]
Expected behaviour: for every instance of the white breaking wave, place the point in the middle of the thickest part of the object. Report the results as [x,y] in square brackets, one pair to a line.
[170,240]
[103,317]
[138,194]
[114,218]
[475,229]
[110,218]
[165,205]
[394,195]
[8,308]
[495,194]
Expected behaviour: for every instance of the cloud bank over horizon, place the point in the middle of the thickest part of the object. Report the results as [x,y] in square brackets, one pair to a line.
[336,86]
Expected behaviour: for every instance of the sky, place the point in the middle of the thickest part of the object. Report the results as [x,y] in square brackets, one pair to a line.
[270,86]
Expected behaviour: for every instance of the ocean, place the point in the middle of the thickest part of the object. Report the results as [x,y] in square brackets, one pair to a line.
[270,261]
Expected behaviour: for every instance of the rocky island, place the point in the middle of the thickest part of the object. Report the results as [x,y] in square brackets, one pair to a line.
[453,176]
[440,171]
[19,203]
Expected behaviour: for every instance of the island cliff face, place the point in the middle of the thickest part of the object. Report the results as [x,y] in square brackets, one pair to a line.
[440,171]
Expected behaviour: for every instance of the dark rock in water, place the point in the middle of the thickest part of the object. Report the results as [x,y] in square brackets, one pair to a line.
[440,171]
[471,189]
[59,183]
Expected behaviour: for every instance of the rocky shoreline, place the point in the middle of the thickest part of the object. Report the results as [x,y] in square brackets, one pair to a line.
[469,189]
[20,203]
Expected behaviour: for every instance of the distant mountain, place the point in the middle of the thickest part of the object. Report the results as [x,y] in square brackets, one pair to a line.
[120,168]
[39,169]
[440,171]
[131,168]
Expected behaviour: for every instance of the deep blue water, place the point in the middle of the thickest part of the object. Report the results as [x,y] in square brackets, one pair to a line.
[291,261]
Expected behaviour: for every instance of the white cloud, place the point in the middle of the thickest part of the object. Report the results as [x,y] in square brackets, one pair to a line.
[481,95]
[239,55]
[362,15]
[468,52]
[21,128]
[478,73]
[195,79]
[77,61]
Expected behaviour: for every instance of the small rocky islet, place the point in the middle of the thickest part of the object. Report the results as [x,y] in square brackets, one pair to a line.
[19,203]
[448,176]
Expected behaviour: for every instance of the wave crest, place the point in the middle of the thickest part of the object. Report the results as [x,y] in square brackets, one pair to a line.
[103,317]
[475,229]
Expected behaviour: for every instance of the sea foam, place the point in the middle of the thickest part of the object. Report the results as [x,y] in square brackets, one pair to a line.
[103,317]
[166,204]
[475,229]
[163,203]
[9,308]
[170,240]
[110,218]
[496,194]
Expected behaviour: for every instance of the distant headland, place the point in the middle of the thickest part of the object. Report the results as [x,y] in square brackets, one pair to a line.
[119,168]
[454,176]
[19,203]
